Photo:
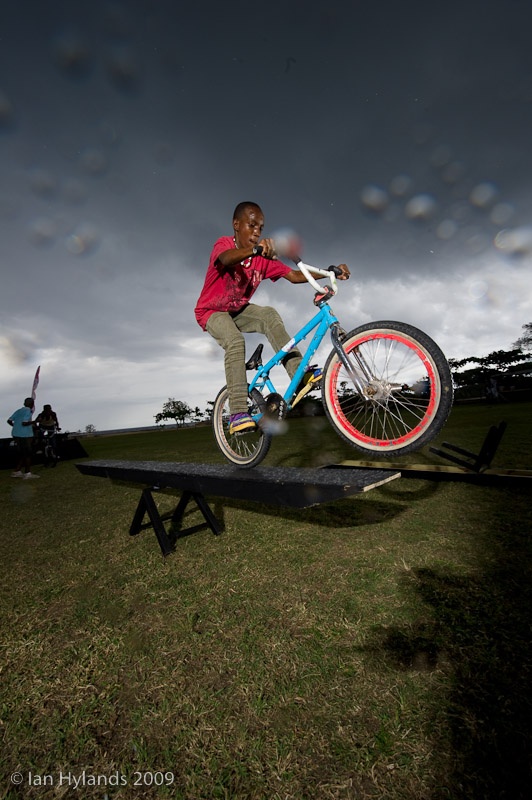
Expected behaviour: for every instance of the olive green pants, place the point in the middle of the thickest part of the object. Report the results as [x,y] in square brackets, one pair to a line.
[227,330]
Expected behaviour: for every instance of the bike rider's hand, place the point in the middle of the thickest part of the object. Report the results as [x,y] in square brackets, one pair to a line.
[344,275]
[268,248]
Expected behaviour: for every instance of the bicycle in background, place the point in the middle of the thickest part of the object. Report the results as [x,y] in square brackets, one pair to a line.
[47,443]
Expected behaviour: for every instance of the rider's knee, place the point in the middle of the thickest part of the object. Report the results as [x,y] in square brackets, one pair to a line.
[270,317]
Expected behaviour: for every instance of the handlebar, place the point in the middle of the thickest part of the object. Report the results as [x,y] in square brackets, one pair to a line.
[307,269]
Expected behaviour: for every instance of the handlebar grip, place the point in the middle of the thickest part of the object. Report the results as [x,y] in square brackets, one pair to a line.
[257,250]
[337,271]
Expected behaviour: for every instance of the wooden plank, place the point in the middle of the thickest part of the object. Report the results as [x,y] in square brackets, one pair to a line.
[440,472]
[281,486]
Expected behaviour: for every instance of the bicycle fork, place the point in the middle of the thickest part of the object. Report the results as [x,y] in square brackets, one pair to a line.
[336,337]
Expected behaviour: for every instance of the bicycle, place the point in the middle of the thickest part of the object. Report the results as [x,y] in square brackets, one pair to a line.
[48,443]
[386,386]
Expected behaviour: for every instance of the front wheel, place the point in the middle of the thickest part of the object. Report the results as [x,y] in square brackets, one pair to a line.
[242,449]
[49,454]
[395,392]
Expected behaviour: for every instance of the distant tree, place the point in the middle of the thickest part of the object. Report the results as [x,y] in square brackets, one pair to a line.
[498,360]
[209,411]
[482,368]
[525,341]
[175,410]
[90,429]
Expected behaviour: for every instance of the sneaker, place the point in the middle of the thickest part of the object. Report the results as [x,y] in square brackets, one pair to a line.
[30,475]
[312,375]
[18,474]
[311,378]
[241,423]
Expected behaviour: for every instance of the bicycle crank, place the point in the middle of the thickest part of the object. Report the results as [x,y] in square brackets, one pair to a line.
[275,411]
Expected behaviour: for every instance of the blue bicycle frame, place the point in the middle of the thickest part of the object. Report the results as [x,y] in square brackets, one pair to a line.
[322,321]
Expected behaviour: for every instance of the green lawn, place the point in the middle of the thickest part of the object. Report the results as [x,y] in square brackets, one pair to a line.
[377,647]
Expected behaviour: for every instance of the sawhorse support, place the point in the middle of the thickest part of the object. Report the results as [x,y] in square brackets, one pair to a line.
[167,539]
[475,462]
[279,486]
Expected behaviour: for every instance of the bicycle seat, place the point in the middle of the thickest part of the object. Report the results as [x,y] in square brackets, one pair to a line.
[256,359]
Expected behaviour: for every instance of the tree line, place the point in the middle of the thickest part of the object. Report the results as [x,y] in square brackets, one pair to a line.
[502,369]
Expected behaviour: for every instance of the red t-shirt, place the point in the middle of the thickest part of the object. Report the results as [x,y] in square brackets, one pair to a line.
[231,288]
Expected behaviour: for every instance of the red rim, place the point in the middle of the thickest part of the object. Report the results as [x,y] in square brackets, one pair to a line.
[399,440]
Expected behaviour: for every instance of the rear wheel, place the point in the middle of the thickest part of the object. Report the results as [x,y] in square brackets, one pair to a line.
[242,449]
[397,393]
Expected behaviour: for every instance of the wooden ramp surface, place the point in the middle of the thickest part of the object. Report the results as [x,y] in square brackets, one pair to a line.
[281,486]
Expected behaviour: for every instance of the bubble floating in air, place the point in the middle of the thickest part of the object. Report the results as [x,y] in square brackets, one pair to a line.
[72,55]
[374,198]
[83,240]
[421,207]
[483,194]
[515,241]
[287,243]
[400,185]
[446,229]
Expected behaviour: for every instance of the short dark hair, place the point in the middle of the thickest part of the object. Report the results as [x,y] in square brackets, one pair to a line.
[241,207]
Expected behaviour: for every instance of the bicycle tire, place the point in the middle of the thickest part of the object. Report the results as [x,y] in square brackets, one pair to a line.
[408,398]
[48,456]
[242,449]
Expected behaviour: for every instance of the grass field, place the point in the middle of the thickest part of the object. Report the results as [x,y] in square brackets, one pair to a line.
[377,647]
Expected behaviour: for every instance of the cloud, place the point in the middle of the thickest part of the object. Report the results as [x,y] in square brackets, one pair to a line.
[128,135]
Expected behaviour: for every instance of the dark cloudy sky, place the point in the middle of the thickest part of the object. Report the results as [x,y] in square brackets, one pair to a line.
[393,136]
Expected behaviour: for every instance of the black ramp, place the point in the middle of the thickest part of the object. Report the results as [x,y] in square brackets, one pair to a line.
[281,486]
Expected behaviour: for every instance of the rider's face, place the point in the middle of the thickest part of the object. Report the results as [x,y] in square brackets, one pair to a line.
[248,227]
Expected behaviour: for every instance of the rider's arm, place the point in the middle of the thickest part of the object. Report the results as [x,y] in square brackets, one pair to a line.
[234,256]
[229,258]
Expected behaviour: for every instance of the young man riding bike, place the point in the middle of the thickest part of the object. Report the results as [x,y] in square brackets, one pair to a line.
[236,268]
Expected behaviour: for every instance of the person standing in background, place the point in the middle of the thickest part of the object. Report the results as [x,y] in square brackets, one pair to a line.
[22,425]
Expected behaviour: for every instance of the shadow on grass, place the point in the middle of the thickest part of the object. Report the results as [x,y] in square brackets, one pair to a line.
[479,633]
[338,514]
